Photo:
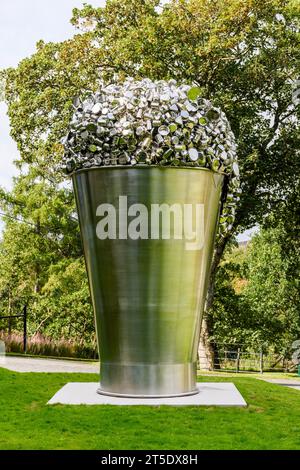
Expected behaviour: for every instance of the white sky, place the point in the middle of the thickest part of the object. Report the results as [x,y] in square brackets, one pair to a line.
[22,24]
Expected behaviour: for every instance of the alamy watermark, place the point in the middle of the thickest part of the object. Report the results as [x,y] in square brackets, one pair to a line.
[159,221]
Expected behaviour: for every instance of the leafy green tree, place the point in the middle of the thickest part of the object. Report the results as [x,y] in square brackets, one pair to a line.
[257,298]
[232,317]
[64,306]
[41,232]
[243,54]
[273,294]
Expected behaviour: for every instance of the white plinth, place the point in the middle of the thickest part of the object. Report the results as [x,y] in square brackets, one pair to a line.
[210,394]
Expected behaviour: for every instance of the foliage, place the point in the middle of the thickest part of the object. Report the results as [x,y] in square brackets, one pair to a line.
[39,345]
[41,261]
[257,301]
[243,54]
[233,321]
[64,305]
[273,294]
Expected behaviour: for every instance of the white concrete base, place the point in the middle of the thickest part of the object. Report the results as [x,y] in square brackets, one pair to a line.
[210,394]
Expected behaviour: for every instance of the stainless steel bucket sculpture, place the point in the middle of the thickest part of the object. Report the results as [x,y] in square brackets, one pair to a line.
[148,293]
[148,161]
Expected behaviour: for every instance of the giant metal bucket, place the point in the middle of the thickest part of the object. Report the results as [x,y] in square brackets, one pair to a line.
[148,291]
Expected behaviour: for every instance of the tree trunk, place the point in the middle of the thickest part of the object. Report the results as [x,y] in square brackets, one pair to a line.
[9,313]
[37,268]
[205,349]
[208,351]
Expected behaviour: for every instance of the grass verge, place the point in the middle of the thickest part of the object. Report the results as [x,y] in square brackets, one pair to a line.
[271,420]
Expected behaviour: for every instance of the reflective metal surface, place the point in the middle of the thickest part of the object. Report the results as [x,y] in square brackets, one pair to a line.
[148,294]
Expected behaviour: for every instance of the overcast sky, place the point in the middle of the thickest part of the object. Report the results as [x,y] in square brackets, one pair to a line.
[22,24]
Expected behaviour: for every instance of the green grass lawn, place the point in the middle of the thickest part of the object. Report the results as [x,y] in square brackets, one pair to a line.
[271,420]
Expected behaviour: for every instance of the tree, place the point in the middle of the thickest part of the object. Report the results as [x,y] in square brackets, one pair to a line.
[41,233]
[272,292]
[243,54]
[64,308]
[257,302]
[233,321]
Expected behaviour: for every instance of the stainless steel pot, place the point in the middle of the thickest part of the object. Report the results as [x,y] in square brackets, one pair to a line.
[148,294]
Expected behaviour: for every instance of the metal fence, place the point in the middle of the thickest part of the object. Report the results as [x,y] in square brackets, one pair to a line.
[243,359]
[22,315]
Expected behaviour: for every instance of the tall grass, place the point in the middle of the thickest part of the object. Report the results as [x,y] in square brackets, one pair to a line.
[40,345]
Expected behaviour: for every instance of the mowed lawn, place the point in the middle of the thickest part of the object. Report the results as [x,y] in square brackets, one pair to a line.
[271,420]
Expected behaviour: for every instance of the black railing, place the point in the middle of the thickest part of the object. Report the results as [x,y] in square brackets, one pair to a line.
[19,315]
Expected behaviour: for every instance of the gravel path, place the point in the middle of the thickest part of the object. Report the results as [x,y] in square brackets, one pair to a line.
[28,364]
[286,382]
[291,383]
